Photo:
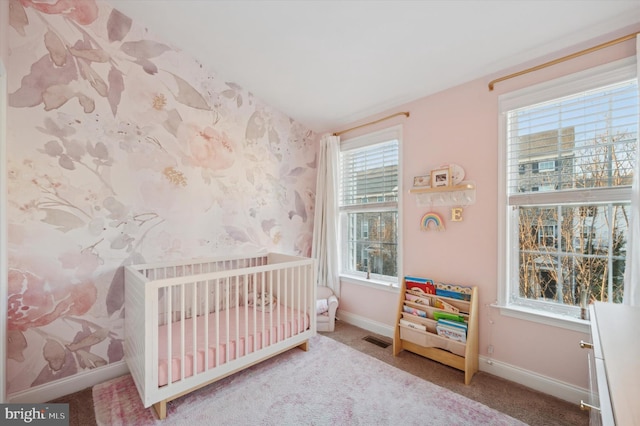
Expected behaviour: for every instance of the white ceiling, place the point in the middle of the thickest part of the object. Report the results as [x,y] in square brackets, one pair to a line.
[329,63]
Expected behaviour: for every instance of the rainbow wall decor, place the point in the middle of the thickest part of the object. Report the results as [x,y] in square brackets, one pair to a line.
[431,221]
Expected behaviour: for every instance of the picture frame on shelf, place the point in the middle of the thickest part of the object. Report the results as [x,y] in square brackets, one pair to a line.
[440,177]
[422,180]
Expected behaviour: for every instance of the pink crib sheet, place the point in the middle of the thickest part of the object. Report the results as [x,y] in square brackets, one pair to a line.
[267,332]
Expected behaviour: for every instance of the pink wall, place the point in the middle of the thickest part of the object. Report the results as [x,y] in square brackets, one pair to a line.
[460,125]
[368,302]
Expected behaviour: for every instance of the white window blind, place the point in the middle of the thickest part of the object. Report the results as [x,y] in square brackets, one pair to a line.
[369,175]
[582,145]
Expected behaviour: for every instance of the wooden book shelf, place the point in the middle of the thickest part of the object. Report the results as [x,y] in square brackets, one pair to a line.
[462,356]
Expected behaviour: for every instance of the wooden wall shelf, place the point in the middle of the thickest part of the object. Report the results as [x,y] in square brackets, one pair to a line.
[463,194]
[453,188]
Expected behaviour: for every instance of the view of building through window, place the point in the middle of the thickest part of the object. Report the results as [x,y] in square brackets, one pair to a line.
[566,254]
[372,242]
[569,175]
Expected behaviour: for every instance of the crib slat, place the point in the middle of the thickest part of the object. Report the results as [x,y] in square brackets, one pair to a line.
[295,300]
[168,315]
[262,289]
[301,300]
[216,307]
[206,324]
[253,291]
[234,288]
[299,292]
[269,313]
[226,315]
[279,334]
[182,330]
[194,324]
[310,292]
[286,301]
[245,292]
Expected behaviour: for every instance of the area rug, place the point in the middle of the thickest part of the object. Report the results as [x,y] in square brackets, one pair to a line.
[331,384]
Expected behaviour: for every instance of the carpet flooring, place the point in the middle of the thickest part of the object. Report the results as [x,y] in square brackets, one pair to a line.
[529,406]
[330,384]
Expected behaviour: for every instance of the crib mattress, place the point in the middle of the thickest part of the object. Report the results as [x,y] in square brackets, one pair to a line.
[248,330]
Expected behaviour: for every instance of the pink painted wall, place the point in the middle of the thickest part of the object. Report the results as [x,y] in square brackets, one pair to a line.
[460,125]
[368,302]
[122,149]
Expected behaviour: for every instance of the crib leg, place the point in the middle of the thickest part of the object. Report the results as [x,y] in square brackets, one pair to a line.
[161,409]
[304,346]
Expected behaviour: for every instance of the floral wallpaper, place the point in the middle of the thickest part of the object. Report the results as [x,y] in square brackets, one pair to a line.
[121,150]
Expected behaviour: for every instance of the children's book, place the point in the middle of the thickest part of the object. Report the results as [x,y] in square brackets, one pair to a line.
[447,307]
[413,325]
[421,300]
[448,316]
[453,291]
[453,333]
[423,285]
[414,311]
[456,324]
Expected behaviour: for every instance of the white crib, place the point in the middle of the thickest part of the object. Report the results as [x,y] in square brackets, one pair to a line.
[215,317]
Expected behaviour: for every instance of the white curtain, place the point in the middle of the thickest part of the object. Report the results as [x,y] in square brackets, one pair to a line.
[632,269]
[325,227]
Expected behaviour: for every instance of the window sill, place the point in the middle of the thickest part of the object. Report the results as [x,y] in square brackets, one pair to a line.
[377,284]
[547,318]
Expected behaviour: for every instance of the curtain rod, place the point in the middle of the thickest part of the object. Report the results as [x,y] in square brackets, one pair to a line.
[406,113]
[564,58]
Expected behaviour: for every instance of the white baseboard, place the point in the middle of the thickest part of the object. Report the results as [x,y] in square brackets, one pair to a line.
[547,385]
[366,323]
[544,384]
[66,386]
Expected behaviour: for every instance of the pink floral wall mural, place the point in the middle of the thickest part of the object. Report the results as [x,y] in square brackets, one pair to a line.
[122,149]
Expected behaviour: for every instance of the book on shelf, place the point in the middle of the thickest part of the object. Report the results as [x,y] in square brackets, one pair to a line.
[417,298]
[453,291]
[447,307]
[451,331]
[413,325]
[430,300]
[423,285]
[414,311]
[426,285]
[456,324]
[448,316]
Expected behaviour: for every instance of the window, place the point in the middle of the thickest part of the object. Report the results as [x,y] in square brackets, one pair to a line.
[566,217]
[546,166]
[369,192]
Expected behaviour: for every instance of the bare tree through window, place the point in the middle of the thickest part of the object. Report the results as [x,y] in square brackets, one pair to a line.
[574,254]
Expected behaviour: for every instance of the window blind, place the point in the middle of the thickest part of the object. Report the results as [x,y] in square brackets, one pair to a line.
[582,146]
[369,175]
